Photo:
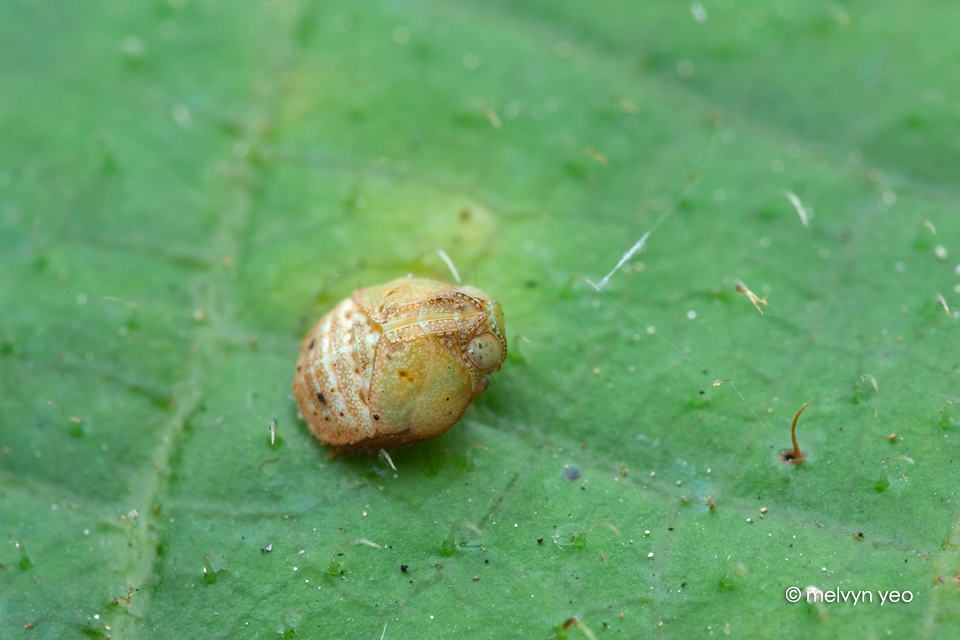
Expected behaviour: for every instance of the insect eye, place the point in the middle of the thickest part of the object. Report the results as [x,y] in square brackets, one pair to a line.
[485,351]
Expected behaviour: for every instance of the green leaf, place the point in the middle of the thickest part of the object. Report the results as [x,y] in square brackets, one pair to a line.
[186,187]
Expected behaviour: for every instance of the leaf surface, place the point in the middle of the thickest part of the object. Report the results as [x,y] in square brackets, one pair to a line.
[186,187]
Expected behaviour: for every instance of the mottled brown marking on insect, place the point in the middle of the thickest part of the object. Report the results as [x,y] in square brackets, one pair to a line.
[397,363]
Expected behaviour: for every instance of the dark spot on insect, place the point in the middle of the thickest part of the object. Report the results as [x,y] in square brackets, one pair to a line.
[321,399]
[341,414]
[327,418]
[448,399]
[311,345]
[860,534]
[376,416]
[570,473]
[298,368]
[539,540]
[403,568]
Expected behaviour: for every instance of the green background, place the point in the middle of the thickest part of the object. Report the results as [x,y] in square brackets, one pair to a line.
[186,186]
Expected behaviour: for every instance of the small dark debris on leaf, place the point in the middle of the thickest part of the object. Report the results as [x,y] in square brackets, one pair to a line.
[570,473]
[403,568]
[683,584]
[539,540]
[266,462]
[794,456]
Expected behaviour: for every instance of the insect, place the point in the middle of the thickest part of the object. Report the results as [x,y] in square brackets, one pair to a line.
[397,363]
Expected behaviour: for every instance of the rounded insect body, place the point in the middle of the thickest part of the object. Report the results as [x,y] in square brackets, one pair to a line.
[397,363]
